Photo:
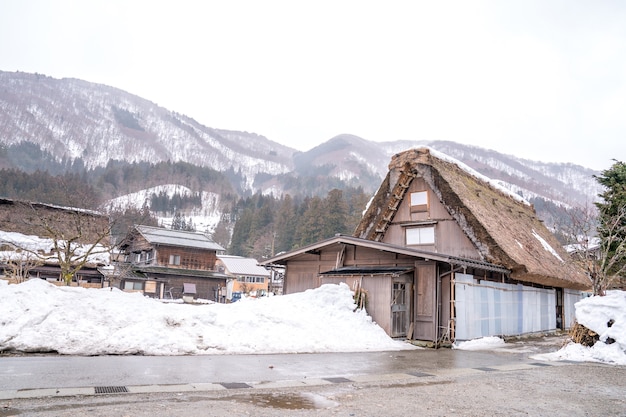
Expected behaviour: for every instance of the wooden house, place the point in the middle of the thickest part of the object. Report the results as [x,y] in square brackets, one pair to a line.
[248,276]
[159,262]
[32,234]
[445,254]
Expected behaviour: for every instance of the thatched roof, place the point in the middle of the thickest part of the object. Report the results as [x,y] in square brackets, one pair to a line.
[504,229]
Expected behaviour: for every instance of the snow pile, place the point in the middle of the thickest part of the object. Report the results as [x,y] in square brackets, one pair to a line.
[484,343]
[607,317]
[36,316]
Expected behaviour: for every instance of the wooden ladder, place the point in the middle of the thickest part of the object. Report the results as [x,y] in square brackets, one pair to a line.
[399,190]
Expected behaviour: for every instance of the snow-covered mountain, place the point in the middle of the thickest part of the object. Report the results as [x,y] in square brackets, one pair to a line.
[72,119]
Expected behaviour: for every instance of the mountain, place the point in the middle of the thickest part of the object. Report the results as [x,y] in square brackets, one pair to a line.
[62,123]
[71,119]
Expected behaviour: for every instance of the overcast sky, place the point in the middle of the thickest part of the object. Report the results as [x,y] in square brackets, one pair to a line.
[543,80]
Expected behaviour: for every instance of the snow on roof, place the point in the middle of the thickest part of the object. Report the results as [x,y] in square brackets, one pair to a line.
[239,265]
[497,184]
[547,246]
[159,235]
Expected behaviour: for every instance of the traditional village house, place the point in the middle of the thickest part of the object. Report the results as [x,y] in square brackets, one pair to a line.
[30,230]
[442,254]
[248,277]
[165,263]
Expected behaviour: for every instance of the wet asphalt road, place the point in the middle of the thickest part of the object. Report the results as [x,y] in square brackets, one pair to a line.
[37,372]
[427,382]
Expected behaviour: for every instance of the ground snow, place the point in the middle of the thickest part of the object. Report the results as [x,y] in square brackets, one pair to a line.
[37,316]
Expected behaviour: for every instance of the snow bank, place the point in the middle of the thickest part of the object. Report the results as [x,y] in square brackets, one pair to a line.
[36,316]
[607,317]
[484,343]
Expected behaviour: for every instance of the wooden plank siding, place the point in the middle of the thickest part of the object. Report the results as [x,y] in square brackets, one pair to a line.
[205,287]
[190,258]
[449,237]
[425,318]
[378,299]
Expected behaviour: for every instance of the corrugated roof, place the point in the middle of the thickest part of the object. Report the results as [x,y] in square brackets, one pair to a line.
[161,236]
[368,270]
[386,247]
[238,265]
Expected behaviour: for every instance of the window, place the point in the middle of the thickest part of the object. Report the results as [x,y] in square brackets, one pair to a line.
[133,285]
[420,235]
[174,259]
[419,201]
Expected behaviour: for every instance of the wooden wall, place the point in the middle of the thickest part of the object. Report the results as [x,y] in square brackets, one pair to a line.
[378,288]
[190,258]
[205,287]
[425,311]
[449,237]
[303,272]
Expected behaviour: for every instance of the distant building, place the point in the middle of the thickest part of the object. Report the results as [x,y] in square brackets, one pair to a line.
[248,276]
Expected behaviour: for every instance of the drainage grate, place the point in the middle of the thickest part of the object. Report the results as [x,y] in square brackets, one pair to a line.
[540,364]
[110,390]
[486,369]
[234,385]
[419,374]
[338,380]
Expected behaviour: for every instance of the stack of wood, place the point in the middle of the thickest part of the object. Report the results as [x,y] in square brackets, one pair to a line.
[582,335]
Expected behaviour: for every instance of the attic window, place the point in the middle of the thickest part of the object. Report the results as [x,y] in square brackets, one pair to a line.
[420,235]
[419,201]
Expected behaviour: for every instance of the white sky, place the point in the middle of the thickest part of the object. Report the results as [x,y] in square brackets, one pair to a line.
[543,79]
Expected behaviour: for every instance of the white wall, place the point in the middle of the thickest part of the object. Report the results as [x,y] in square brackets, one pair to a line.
[485,308]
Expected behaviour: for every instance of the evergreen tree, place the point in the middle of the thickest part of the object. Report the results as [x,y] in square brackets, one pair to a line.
[335,214]
[612,224]
[241,233]
[178,222]
[285,225]
[310,228]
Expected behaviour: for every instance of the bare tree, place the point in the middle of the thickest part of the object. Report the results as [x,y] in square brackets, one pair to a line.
[596,246]
[73,246]
[19,265]
[69,237]
[612,256]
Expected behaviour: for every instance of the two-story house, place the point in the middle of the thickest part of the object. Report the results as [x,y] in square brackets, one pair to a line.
[442,254]
[165,263]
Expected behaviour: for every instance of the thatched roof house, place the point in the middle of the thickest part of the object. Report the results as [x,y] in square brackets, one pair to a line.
[443,253]
[502,228]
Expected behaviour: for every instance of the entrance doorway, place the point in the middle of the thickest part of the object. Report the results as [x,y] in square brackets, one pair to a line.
[400,308]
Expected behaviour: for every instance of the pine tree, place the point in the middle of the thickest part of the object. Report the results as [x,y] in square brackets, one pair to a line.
[335,214]
[285,225]
[612,226]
